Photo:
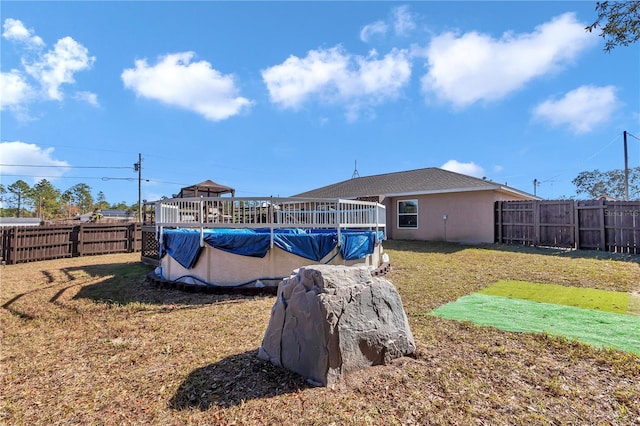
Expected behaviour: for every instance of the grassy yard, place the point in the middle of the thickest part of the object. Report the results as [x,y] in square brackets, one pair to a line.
[87,341]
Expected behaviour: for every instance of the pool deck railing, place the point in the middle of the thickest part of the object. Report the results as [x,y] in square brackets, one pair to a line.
[268,212]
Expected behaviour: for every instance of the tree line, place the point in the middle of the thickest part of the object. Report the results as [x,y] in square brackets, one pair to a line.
[45,201]
[611,183]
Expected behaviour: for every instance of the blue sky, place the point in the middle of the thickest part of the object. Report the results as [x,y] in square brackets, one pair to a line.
[277,98]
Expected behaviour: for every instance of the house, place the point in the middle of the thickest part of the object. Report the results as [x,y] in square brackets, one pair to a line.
[86,217]
[430,203]
[6,222]
[116,215]
[608,198]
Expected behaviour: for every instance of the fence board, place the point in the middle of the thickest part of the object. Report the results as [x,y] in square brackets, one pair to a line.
[516,222]
[556,224]
[103,239]
[591,224]
[28,244]
[38,243]
[591,219]
[622,230]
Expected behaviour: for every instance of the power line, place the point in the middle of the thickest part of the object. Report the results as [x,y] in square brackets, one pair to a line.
[579,164]
[66,167]
[96,177]
[169,183]
[85,148]
[105,178]
[603,148]
[54,177]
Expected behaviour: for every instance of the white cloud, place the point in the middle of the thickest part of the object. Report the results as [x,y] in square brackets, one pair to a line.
[581,109]
[403,22]
[14,89]
[470,169]
[15,30]
[332,76]
[291,82]
[472,67]
[194,86]
[88,97]
[18,154]
[58,66]
[375,28]
[49,70]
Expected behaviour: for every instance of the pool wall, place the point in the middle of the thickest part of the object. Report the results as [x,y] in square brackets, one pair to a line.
[218,267]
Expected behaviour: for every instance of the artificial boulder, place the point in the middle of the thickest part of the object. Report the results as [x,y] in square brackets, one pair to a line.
[329,320]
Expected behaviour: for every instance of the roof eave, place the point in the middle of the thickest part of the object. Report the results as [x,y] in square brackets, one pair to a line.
[443,191]
[518,192]
[468,189]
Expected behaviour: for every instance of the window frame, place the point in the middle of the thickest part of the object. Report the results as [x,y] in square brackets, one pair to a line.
[399,214]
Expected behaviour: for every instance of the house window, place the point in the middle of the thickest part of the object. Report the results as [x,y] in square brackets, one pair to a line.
[408,214]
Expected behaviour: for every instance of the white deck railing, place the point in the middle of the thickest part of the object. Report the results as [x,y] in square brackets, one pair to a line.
[271,212]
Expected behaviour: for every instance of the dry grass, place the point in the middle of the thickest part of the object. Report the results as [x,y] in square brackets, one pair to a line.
[87,341]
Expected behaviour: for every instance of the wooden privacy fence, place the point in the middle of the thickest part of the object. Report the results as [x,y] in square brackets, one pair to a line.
[591,225]
[21,244]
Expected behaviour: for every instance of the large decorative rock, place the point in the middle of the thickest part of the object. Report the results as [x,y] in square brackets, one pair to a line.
[330,320]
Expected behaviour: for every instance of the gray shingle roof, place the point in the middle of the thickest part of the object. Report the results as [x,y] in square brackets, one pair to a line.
[429,180]
[116,213]
[19,221]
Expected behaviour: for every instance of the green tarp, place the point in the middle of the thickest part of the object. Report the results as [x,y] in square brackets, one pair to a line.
[603,329]
[587,298]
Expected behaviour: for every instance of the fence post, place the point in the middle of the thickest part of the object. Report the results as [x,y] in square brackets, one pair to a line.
[576,224]
[80,245]
[130,238]
[498,209]
[536,222]
[603,229]
[5,244]
[12,240]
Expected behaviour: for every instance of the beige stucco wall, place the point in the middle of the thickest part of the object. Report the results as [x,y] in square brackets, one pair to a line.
[470,216]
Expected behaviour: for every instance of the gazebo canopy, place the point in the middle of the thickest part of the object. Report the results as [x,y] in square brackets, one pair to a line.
[207,188]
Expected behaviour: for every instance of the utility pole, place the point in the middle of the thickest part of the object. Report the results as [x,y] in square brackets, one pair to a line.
[138,167]
[626,168]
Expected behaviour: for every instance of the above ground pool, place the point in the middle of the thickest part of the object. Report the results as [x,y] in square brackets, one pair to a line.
[260,256]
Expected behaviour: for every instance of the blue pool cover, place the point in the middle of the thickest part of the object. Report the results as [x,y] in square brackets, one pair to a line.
[314,244]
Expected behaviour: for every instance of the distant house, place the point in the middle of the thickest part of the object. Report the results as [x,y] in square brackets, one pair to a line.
[6,222]
[85,217]
[429,204]
[608,198]
[116,215]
